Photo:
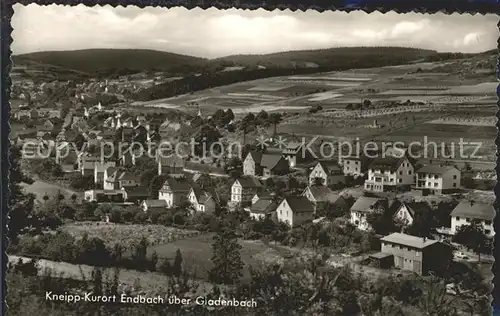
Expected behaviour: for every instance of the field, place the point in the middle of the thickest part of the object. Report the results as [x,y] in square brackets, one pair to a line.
[127,235]
[40,188]
[197,251]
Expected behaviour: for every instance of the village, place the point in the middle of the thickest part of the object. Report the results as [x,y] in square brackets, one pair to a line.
[387,193]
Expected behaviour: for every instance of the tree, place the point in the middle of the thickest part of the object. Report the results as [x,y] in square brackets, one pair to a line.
[20,205]
[177,268]
[165,267]
[247,125]
[275,118]
[226,258]
[74,197]
[234,167]
[154,261]
[139,255]
[472,236]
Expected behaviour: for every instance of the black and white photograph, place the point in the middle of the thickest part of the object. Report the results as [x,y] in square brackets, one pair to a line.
[166,161]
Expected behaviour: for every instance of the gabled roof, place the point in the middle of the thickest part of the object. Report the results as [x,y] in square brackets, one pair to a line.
[127,176]
[270,161]
[110,171]
[434,169]
[88,165]
[387,163]
[408,240]
[178,185]
[417,207]
[155,203]
[365,204]
[173,161]
[330,167]
[474,210]
[322,193]
[136,191]
[299,204]
[264,206]
[249,182]
[256,156]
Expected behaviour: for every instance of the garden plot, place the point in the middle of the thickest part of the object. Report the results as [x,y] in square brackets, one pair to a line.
[411,92]
[128,235]
[474,121]
[324,96]
[488,88]
[451,99]
[270,87]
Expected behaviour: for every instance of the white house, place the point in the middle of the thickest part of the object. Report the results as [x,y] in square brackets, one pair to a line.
[437,179]
[320,194]
[328,171]
[466,211]
[361,208]
[262,208]
[389,174]
[244,189]
[202,200]
[175,191]
[407,211]
[295,210]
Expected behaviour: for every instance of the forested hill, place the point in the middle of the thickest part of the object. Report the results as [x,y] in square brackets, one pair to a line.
[330,58]
[126,61]
[115,61]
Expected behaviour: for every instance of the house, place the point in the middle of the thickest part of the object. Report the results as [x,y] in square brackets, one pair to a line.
[85,160]
[244,189]
[47,126]
[296,153]
[151,205]
[87,168]
[127,179]
[361,208]
[264,164]
[108,178]
[261,195]
[329,173]
[295,210]
[389,174]
[410,253]
[175,191]
[407,212]
[115,179]
[356,166]
[262,208]
[320,195]
[171,164]
[102,196]
[100,169]
[135,194]
[203,200]
[437,179]
[466,211]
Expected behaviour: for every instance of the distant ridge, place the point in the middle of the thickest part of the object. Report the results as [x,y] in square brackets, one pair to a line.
[126,61]
[107,60]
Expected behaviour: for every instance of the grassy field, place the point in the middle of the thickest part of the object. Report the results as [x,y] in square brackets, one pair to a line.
[197,252]
[40,188]
[127,235]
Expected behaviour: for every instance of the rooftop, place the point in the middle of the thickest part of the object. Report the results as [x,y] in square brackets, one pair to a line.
[474,210]
[409,240]
[435,169]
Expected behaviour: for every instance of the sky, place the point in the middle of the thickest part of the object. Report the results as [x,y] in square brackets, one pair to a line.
[215,33]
